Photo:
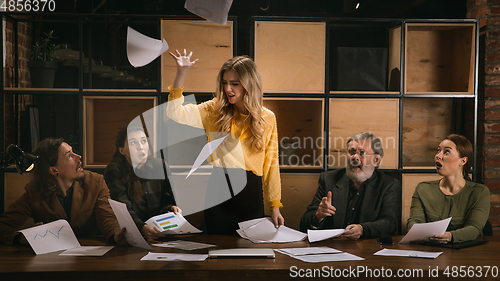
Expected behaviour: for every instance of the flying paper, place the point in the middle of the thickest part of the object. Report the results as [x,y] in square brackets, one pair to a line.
[205,152]
[212,10]
[142,49]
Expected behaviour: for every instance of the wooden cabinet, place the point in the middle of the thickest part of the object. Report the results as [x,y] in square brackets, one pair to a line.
[211,43]
[440,58]
[291,56]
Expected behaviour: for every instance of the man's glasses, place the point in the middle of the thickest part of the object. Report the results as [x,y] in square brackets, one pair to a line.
[359,152]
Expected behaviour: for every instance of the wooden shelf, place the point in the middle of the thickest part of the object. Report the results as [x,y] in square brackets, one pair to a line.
[211,43]
[43,89]
[440,57]
[364,92]
[14,184]
[426,122]
[351,116]
[291,56]
[297,192]
[300,119]
[104,116]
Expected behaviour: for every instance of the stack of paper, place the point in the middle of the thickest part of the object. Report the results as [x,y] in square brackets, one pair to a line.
[173,257]
[184,245]
[405,253]
[318,254]
[262,230]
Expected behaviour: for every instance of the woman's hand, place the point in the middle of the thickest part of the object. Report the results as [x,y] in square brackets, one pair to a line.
[176,210]
[442,238]
[183,64]
[278,219]
[183,61]
[151,232]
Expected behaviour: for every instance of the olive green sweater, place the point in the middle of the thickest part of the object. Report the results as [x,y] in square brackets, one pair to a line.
[469,208]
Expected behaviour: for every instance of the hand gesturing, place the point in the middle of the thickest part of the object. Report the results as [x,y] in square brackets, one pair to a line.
[183,61]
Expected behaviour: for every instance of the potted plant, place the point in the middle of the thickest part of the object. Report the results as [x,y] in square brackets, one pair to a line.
[42,67]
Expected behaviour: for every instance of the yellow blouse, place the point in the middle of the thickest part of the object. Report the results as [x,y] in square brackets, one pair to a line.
[262,163]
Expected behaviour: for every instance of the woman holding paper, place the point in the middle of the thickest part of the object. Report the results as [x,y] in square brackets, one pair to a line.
[455,195]
[235,110]
[131,180]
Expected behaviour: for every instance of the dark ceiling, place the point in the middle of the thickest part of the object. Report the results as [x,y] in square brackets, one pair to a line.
[439,9]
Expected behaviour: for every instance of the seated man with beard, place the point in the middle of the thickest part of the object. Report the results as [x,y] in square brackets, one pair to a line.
[360,199]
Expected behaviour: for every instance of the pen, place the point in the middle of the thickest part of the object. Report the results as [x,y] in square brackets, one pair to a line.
[161,258]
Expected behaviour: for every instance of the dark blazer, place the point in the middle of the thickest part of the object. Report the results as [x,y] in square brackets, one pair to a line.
[380,206]
[90,210]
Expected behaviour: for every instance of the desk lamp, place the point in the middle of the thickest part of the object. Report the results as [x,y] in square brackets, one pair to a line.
[24,161]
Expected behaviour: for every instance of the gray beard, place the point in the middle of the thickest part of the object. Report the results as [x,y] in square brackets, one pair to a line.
[364,174]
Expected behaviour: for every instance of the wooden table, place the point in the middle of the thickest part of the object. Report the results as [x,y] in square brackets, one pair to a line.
[123,263]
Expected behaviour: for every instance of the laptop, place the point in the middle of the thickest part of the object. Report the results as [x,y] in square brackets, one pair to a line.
[242,253]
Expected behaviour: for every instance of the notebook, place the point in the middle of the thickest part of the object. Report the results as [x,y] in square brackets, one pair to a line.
[242,253]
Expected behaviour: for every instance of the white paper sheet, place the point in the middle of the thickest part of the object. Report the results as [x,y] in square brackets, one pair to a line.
[405,253]
[205,152]
[184,245]
[142,49]
[212,10]
[422,231]
[133,235]
[318,235]
[51,237]
[173,257]
[263,230]
[95,251]
[329,257]
[308,251]
[170,223]
[282,235]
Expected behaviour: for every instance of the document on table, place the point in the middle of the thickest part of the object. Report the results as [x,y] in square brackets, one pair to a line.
[318,254]
[173,257]
[51,237]
[171,223]
[318,235]
[56,236]
[422,231]
[405,253]
[329,257]
[96,251]
[134,237]
[184,245]
[307,251]
[262,230]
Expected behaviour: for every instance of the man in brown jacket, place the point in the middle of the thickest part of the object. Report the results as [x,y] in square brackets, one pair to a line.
[61,189]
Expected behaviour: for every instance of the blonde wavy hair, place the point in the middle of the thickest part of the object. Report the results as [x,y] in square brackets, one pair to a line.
[225,112]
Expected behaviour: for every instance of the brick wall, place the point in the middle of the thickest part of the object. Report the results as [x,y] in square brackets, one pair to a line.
[25,33]
[488,13]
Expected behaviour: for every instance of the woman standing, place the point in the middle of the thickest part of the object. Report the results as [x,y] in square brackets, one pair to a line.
[455,195]
[236,109]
